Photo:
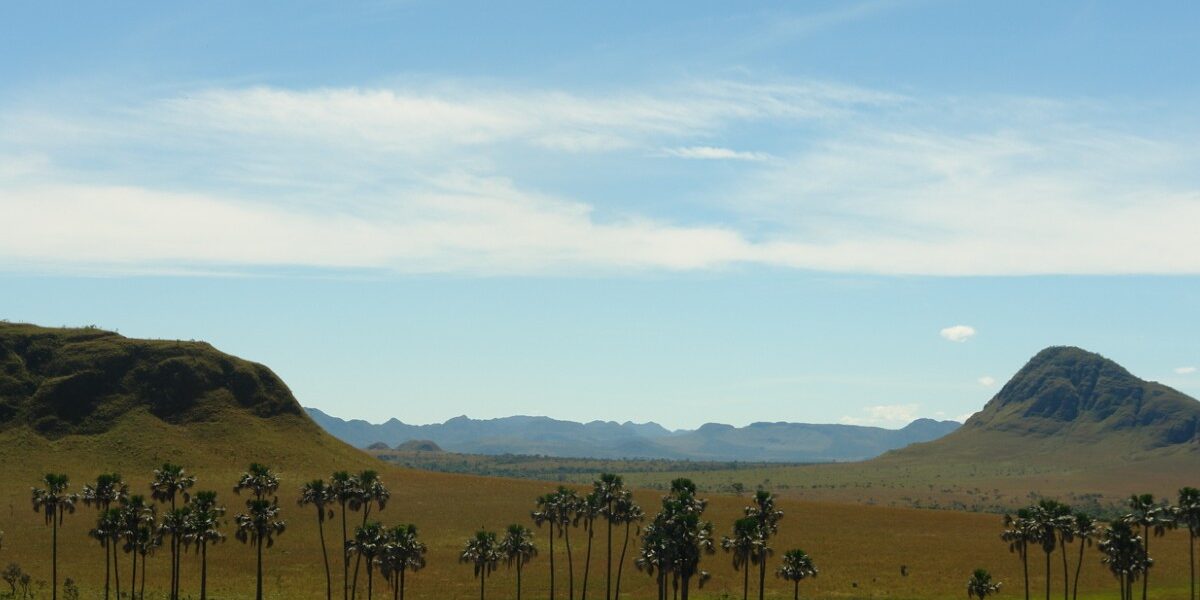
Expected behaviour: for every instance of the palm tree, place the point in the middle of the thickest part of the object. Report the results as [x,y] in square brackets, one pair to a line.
[401,552]
[174,526]
[146,540]
[1125,554]
[1152,517]
[1187,514]
[109,488]
[203,527]
[607,491]
[259,525]
[369,490]
[320,496]
[980,585]
[586,511]
[795,567]
[556,510]
[169,482]
[1050,518]
[344,488]
[627,512]
[260,480]
[483,553]
[743,545]
[1020,531]
[108,533]
[517,549]
[1084,530]
[368,543]
[53,501]
[652,556]
[687,537]
[136,517]
[768,518]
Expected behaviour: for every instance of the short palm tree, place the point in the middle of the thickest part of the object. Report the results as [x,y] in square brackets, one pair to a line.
[53,501]
[1153,518]
[168,484]
[1083,529]
[369,490]
[1124,554]
[483,553]
[109,489]
[743,545]
[136,517]
[202,528]
[320,496]
[980,585]
[1187,514]
[795,567]
[626,512]
[259,525]
[344,488]
[1021,531]
[768,516]
[368,544]
[259,480]
[402,552]
[517,549]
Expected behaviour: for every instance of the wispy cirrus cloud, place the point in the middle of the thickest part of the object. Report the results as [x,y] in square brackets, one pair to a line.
[716,153]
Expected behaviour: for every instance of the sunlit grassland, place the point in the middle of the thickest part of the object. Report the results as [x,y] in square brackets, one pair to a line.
[859,548]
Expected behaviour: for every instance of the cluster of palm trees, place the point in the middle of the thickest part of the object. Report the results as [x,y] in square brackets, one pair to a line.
[1124,543]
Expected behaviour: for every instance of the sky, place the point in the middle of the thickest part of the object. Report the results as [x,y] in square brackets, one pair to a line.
[685,212]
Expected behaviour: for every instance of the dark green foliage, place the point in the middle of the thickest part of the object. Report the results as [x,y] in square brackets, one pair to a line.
[82,381]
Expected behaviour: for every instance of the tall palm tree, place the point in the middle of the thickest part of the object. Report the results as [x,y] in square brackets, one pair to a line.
[625,512]
[344,488]
[402,552]
[370,490]
[587,510]
[546,513]
[368,544]
[173,526]
[768,517]
[109,489]
[1083,529]
[652,555]
[1020,532]
[1051,517]
[1125,555]
[1152,517]
[146,540]
[320,496]
[795,567]
[517,549]
[980,585]
[1187,514]
[607,491]
[203,527]
[557,509]
[259,525]
[108,533]
[687,537]
[743,546]
[136,517]
[483,553]
[53,501]
[170,482]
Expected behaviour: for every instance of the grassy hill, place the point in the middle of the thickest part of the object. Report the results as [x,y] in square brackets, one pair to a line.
[214,430]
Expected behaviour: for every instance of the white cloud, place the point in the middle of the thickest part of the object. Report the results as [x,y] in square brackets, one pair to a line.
[958,333]
[715,153]
[1185,370]
[987,381]
[891,415]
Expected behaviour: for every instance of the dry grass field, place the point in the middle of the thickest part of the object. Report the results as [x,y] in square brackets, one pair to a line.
[859,548]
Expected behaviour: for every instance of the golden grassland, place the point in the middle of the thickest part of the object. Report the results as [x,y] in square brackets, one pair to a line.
[859,548]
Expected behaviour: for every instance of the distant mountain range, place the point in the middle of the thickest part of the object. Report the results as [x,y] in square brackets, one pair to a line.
[781,442]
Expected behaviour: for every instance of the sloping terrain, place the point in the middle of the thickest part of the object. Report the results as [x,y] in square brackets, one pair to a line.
[523,435]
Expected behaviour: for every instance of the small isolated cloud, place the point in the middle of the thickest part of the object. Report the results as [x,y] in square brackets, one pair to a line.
[1185,370]
[715,153]
[958,333]
[885,415]
[987,381]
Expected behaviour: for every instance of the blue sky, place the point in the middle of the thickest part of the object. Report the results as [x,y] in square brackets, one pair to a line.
[681,212]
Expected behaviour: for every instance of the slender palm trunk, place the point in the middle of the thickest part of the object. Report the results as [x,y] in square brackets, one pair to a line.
[1192,561]
[345,558]
[358,557]
[587,561]
[324,553]
[1079,567]
[1025,567]
[1146,573]
[796,591]
[258,595]
[133,575]
[762,573]
[116,572]
[107,568]
[570,564]
[518,579]
[142,587]
[1062,544]
[608,572]
[54,558]
[482,579]
[621,564]
[203,570]
[746,580]
[401,584]
[551,561]
[1047,576]
[370,582]
[687,584]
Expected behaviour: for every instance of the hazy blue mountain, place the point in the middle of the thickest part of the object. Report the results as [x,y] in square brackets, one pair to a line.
[784,442]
